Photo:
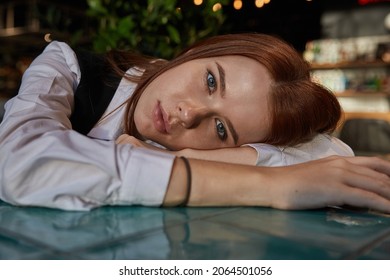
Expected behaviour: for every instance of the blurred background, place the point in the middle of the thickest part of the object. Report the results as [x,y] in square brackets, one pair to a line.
[346,41]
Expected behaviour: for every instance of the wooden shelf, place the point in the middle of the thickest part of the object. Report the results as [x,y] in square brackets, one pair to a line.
[367,115]
[350,65]
[359,73]
[354,93]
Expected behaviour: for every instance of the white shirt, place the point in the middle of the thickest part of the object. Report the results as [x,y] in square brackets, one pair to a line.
[321,146]
[43,162]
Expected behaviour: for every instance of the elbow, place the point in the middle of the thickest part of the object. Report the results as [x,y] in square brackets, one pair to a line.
[19,194]
[10,193]
[15,188]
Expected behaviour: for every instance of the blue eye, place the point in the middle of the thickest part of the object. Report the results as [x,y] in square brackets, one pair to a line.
[211,82]
[220,128]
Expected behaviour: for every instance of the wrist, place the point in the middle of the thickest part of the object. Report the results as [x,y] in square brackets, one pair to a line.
[177,190]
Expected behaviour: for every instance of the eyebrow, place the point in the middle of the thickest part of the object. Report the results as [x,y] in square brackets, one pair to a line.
[232,131]
[222,82]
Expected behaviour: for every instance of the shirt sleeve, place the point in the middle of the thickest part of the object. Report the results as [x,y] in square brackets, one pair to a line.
[321,146]
[46,163]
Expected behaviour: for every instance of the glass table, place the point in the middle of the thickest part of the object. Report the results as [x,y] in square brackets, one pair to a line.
[192,233]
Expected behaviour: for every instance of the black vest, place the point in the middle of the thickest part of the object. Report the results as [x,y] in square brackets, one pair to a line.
[96,89]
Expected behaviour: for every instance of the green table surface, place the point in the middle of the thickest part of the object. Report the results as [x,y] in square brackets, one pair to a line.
[192,233]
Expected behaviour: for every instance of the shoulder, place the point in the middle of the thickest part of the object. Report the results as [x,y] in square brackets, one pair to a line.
[56,48]
[58,56]
[325,142]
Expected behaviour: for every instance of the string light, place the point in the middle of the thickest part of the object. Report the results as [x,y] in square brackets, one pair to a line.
[217,7]
[237,4]
[47,37]
[259,3]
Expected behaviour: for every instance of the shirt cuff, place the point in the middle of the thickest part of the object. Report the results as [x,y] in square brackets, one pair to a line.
[146,177]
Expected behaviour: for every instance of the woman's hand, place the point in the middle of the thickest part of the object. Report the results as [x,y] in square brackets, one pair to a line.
[128,139]
[335,181]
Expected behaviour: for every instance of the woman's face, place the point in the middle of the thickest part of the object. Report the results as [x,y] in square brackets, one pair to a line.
[206,103]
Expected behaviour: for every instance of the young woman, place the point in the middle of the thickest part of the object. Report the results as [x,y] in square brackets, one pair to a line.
[226,92]
[280,104]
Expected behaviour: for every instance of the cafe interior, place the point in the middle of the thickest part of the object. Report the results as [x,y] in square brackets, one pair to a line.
[347,44]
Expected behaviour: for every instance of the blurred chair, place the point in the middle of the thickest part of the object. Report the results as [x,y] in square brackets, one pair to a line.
[367,136]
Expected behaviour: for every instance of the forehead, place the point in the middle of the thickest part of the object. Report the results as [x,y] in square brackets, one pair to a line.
[246,99]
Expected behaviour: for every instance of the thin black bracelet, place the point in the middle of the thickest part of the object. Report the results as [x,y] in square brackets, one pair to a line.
[189,179]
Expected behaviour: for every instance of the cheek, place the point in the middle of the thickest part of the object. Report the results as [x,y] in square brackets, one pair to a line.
[141,117]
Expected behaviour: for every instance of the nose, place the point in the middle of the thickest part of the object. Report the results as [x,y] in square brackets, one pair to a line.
[191,114]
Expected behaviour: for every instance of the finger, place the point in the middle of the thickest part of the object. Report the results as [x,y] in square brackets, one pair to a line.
[369,180]
[363,199]
[365,175]
[122,139]
[364,172]
[377,164]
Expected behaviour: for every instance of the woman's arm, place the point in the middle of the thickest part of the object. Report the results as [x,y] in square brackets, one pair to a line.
[43,162]
[333,181]
[259,154]
[240,155]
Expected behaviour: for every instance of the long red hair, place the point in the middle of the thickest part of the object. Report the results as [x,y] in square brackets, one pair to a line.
[300,107]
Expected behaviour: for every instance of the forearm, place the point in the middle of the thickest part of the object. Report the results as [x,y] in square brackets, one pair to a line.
[218,184]
[238,155]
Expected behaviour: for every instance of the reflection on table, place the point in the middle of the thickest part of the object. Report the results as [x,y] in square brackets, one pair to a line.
[192,233]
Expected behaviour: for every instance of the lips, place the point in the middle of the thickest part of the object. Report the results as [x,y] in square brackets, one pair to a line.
[160,119]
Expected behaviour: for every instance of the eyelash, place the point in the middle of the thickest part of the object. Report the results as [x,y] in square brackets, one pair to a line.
[210,88]
[223,137]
